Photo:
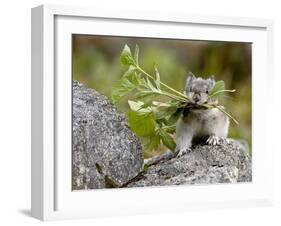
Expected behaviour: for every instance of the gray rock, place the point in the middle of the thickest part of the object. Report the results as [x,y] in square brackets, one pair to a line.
[225,163]
[105,152]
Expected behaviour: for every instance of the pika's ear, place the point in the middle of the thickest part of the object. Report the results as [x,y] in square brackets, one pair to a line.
[191,75]
[212,80]
[190,78]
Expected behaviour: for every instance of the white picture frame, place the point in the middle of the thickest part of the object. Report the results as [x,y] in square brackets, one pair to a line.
[52,197]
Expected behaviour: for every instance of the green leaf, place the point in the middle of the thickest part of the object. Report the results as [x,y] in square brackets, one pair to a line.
[146,95]
[170,129]
[136,79]
[218,87]
[146,89]
[174,117]
[130,72]
[135,105]
[142,124]
[121,88]
[140,107]
[151,142]
[126,56]
[161,104]
[136,54]
[167,139]
[157,76]
[151,87]
[163,110]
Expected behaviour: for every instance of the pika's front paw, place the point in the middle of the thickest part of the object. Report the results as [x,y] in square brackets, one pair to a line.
[183,151]
[213,140]
[225,140]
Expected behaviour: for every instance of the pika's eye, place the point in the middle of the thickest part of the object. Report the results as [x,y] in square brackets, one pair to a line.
[207,91]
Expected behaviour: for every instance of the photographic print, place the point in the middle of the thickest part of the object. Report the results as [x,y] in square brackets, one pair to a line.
[160,112]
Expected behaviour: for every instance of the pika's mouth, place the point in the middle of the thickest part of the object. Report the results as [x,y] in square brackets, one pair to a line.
[199,103]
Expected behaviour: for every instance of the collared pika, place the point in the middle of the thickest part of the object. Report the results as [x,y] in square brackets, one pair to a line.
[200,123]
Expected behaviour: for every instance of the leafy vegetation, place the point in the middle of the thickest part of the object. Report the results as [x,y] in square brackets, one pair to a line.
[155,121]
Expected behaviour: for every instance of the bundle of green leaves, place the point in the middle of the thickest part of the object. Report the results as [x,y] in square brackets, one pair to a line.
[154,121]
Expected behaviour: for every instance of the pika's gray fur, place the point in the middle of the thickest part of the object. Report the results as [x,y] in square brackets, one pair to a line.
[195,124]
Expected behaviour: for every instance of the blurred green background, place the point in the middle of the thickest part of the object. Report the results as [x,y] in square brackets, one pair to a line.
[96,64]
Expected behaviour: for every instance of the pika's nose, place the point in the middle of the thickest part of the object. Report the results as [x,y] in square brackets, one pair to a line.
[196,97]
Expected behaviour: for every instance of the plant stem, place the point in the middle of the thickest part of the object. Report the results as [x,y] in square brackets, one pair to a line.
[163,84]
[184,98]
[222,91]
[173,96]
[222,110]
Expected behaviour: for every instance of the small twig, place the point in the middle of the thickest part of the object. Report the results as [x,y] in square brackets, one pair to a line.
[163,84]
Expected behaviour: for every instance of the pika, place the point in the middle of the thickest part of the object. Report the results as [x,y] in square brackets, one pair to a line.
[198,123]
